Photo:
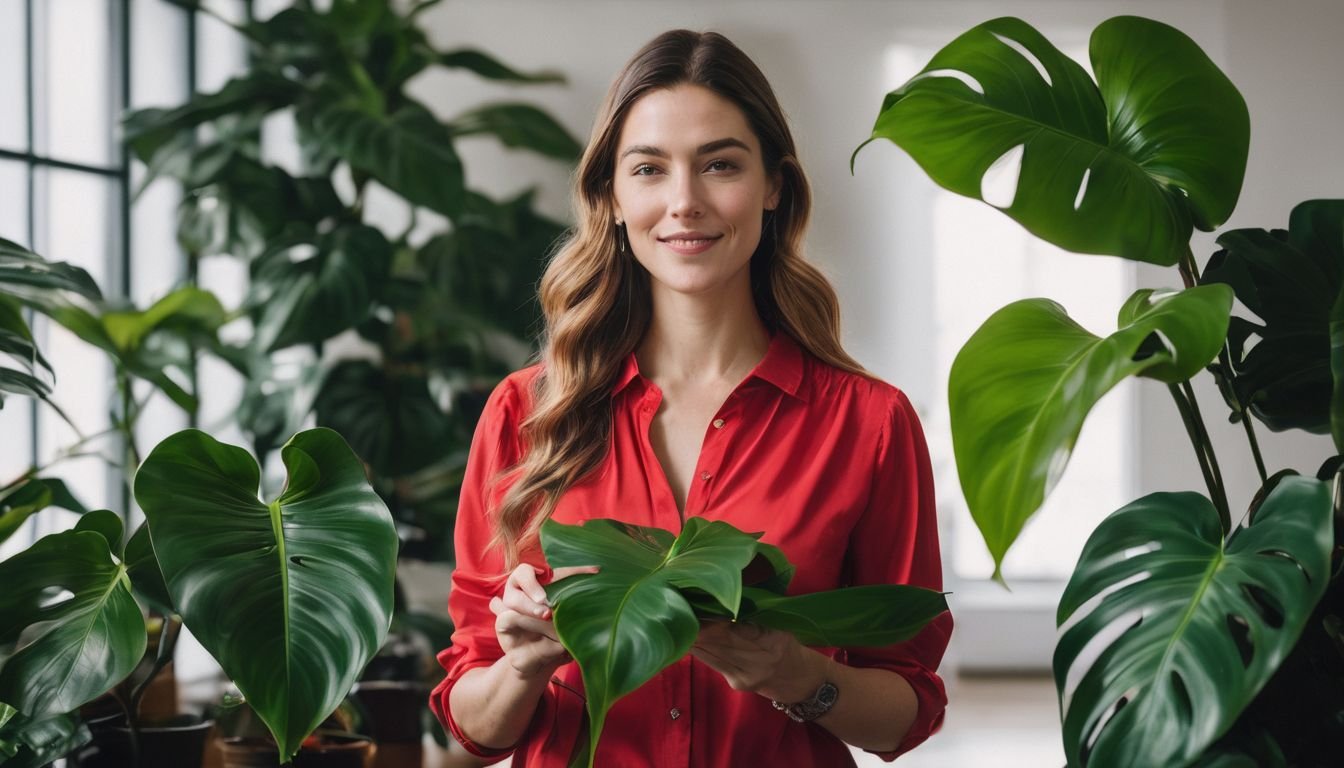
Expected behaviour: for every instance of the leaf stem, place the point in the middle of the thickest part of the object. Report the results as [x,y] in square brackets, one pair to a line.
[1198,439]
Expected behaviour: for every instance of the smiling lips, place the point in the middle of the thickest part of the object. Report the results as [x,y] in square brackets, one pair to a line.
[689,243]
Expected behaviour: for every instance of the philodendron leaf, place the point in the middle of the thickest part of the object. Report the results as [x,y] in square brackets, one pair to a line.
[1292,281]
[641,611]
[18,502]
[627,622]
[1020,389]
[1167,633]
[293,596]
[70,604]
[36,282]
[872,615]
[521,126]
[143,568]
[27,743]
[1125,166]
[488,67]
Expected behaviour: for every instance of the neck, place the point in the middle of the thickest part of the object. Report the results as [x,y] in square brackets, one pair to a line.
[702,339]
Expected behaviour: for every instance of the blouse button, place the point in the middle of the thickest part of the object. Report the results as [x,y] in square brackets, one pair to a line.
[675,713]
[718,423]
[705,476]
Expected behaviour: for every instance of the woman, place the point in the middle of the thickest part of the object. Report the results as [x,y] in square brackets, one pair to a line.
[692,366]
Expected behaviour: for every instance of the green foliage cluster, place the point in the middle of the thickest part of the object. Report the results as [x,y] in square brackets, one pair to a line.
[1187,637]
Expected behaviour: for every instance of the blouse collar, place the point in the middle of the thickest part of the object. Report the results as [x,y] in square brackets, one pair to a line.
[782,366]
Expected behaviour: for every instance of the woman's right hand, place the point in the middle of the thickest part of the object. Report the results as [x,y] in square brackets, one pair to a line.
[523,621]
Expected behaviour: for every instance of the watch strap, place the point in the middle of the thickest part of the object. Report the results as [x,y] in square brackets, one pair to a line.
[811,708]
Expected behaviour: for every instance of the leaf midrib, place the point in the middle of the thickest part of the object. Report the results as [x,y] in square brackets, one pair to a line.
[278,531]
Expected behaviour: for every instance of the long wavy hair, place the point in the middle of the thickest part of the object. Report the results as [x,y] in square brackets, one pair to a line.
[596,301]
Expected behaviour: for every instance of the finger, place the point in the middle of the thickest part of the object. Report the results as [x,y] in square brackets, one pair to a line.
[513,621]
[525,576]
[497,606]
[572,570]
[517,600]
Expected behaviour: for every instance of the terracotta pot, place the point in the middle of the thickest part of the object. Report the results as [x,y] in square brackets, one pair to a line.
[334,750]
[177,741]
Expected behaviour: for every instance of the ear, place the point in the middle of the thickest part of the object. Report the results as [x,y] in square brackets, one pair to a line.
[776,189]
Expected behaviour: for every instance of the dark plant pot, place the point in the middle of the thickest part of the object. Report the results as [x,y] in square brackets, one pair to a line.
[332,750]
[177,741]
[393,709]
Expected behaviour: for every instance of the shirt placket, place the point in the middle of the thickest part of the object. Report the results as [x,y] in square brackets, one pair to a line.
[709,466]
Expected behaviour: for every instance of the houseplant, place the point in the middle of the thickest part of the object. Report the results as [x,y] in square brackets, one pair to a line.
[1181,608]
[261,585]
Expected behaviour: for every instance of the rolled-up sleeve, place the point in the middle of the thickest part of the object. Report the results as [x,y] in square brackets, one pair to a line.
[896,542]
[479,572]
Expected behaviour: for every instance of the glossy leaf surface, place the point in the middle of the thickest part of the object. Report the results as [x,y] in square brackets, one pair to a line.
[293,596]
[1292,281]
[391,420]
[1167,634]
[520,126]
[1125,166]
[85,629]
[1022,386]
[872,615]
[629,621]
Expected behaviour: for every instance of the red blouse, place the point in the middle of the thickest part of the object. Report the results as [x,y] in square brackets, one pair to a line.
[830,465]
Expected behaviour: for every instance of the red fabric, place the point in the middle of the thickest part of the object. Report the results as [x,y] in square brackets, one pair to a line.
[830,465]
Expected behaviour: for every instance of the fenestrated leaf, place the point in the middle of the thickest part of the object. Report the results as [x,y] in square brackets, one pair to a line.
[1167,633]
[1125,166]
[871,615]
[1022,386]
[291,597]
[627,622]
[85,632]
[487,66]
[522,126]
[1292,281]
[410,152]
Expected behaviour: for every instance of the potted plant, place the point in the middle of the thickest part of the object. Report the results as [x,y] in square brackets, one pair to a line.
[1194,631]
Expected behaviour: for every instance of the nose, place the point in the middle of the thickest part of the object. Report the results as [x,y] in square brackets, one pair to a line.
[686,202]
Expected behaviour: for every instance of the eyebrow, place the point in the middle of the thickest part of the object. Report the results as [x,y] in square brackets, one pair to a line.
[703,149]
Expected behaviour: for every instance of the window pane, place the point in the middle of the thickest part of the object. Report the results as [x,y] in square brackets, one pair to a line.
[13,76]
[158,59]
[14,201]
[75,76]
[221,53]
[77,224]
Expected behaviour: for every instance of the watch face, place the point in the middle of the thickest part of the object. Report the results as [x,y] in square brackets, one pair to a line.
[827,694]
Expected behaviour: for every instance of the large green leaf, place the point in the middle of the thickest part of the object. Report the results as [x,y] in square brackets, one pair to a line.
[1292,281]
[627,622]
[17,342]
[311,299]
[143,568]
[1167,633]
[868,616]
[32,280]
[84,632]
[522,126]
[390,419]
[27,743]
[1022,386]
[18,502]
[147,130]
[1124,166]
[291,597]
[409,151]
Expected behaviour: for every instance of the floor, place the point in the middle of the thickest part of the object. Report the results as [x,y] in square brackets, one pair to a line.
[1006,722]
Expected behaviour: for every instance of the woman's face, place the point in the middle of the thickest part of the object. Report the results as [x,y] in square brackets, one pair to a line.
[691,187]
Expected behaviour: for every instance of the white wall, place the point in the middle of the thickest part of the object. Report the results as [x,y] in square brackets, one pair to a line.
[828,62]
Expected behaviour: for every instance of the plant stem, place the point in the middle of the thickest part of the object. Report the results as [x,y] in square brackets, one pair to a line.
[167,644]
[1255,444]
[1213,458]
[1198,439]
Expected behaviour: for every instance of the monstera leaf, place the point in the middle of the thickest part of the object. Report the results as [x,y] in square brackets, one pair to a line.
[293,596]
[641,611]
[1124,166]
[1292,281]
[1020,389]
[629,621]
[521,126]
[68,601]
[1168,633]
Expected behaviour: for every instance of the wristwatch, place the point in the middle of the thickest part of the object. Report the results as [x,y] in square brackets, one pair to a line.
[810,709]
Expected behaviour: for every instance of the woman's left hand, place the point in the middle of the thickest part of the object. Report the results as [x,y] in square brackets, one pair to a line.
[769,662]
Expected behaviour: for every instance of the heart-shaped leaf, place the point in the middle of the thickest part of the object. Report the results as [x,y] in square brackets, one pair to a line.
[1021,388]
[291,597]
[872,615]
[627,622]
[143,568]
[1125,166]
[84,629]
[1167,633]
[1292,281]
